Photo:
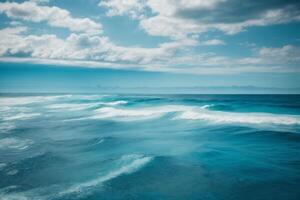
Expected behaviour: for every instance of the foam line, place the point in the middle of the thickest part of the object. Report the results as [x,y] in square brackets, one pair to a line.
[126,165]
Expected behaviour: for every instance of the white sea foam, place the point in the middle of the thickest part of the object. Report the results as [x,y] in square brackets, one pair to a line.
[4,108]
[126,165]
[12,172]
[245,118]
[136,114]
[195,113]
[20,116]
[14,196]
[13,101]
[15,143]
[114,103]
[6,126]
[82,106]
[206,106]
[71,107]
[100,141]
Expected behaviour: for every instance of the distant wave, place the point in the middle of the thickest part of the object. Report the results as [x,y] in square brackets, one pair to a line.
[126,165]
[13,101]
[82,106]
[195,113]
[114,103]
[246,118]
[23,100]
[136,114]
[15,143]
[89,97]
[72,107]
[20,116]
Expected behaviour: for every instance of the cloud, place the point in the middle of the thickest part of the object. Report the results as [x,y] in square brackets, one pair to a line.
[180,18]
[133,8]
[287,53]
[174,56]
[213,42]
[54,16]
[13,42]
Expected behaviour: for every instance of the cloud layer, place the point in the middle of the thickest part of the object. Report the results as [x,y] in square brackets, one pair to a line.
[182,22]
[54,16]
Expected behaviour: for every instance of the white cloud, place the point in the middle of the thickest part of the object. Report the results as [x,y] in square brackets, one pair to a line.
[213,42]
[99,51]
[86,47]
[287,54]
[54,16]
[179,18]
[133,8]
[13,42]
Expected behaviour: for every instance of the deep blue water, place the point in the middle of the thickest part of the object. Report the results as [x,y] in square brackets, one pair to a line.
[185,147]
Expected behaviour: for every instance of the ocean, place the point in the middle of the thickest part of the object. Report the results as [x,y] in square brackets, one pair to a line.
[142,147]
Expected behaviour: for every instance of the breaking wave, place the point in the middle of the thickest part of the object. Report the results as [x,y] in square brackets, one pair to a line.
[244,118]
[71,107]
[135,114]
[125,165]
[195,113]
[13,101]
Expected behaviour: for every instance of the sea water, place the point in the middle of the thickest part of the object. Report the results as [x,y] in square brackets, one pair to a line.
[185,147]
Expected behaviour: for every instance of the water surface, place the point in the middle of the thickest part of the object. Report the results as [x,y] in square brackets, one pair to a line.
[71,146]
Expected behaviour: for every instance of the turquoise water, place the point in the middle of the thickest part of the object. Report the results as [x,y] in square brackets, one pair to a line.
[181,147]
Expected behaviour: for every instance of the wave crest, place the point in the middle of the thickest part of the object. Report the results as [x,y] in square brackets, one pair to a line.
[195,113]
[244,118]
[125,165]
[136,114]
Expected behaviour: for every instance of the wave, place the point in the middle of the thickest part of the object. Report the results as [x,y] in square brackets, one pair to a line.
[130,114]
[15,143]
[16,196]
[12,193]
[82,106]
[6,127]
[89,97]
[14,101]
[126,165]
[244,118]
[114,103]
[20,116]
[195,113]
[135,114]
[72,107]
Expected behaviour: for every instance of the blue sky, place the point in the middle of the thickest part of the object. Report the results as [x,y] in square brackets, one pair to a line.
[148,43]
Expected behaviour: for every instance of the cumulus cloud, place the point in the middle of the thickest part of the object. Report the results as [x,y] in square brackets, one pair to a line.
[54,16]
[213,42]
[83,47]
[174,56]
[179,18]
[133,8]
